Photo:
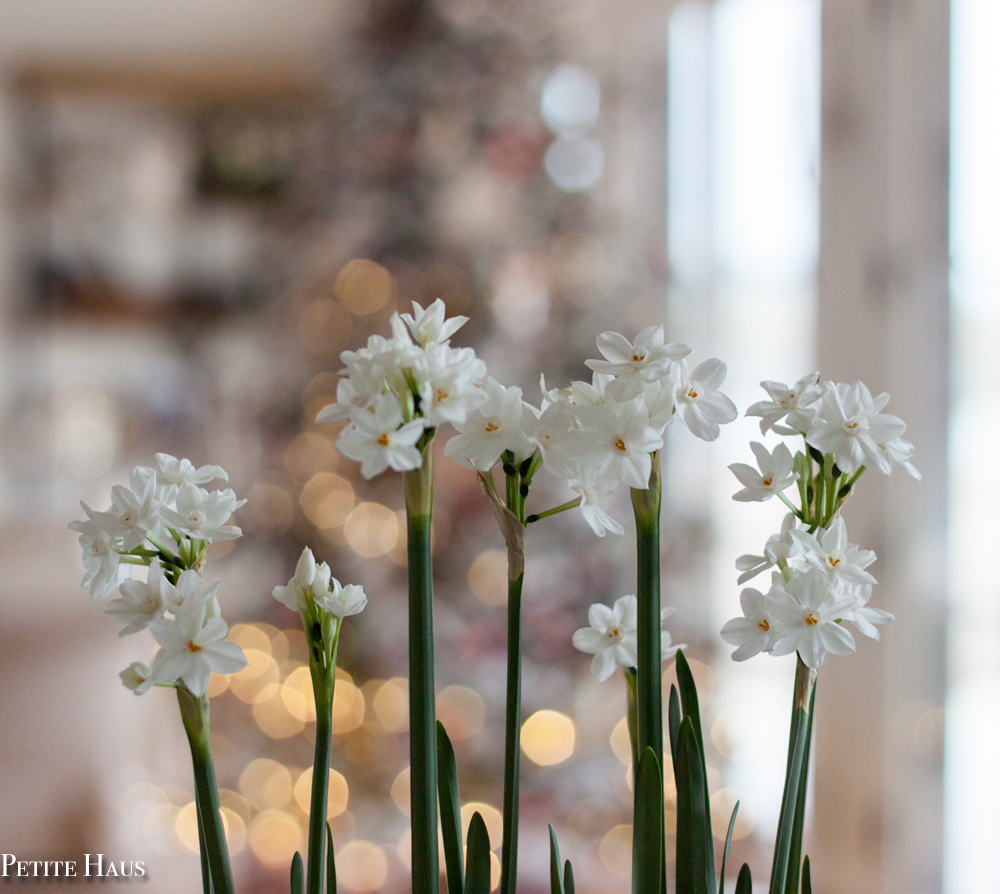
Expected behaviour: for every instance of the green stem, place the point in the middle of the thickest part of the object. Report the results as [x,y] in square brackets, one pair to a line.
[633,734]
[562,507]
[419,489]
[512,739]
[805,681]
[790,505]
[195,715]
[316,861]
[206,872]
[649,700]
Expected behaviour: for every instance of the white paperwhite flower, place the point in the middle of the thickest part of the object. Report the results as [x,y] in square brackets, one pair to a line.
[182,471]
[618,440]
[136,677]
[202,515]
[701,406]
[667,649]
[774,476]
[863,617]
[779,547]
[490,430]
[829,552]
[101,561]
[596,493]
[429,327]
[808,616]
[379,439]
[610,638]
[592,393]
[758,630]
[792,402]
[900,452]
[134,511]
[447,379]
[141,601]
[850,426]
[550,431]
[646,360]
[342,601]
[192,646]
[191,586]
[659,400]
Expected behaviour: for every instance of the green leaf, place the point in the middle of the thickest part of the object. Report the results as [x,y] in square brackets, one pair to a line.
[689,705]
[744,883]
[695,859]
[477,877]
[451,812]
[568,879]
[789,801]
[647,838]
[554,875]
[298,881]
[673,720]
[807,886]
[725,850]
[331,863]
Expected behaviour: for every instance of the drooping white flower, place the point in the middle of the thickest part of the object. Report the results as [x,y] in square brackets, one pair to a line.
[550,431]
[379,439]
[610,638]
[618,440]
[342,601]
[490,430]
[192,646]
[141,601]
[849,425]
[807,614]
[101,561]
[758,630]
[429,327]
[202,515]
[774,476]
[596,494]
[900,452]
[779,547]
[792,402]
[646,360]
[829,552]
[137,678]
[701,406]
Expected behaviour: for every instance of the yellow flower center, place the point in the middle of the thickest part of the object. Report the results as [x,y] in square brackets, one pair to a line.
[636,358]
[620,445]
[491,426]
[440,395]
[613,632]
[764,625]
[383,440]
[851,425]
[811,620]
[834,562]
[767,481]
[693,394]
[193,647]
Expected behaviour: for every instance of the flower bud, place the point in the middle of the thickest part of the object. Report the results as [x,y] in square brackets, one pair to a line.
[321,581]
[305,570]
[136,677]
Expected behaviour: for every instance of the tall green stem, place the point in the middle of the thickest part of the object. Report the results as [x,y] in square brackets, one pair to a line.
[633,735]
[512,739]
[195,715]
[323,693]
[419,490]
[649,707]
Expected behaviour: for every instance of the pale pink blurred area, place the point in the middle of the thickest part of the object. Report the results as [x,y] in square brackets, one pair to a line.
[203,203]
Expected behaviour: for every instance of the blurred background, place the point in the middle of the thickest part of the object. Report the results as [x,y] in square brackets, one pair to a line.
[201,205]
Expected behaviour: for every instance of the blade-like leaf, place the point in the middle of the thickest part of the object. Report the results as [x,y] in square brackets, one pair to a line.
[807,885]
[744,883]
[695,861]
[689,705]
[298,880]
[725,850]
[568,879]
[477,878]
[647,838]
[555,876]
[451,812]
[331,863]
[798,824]
[673,720]
[786,820]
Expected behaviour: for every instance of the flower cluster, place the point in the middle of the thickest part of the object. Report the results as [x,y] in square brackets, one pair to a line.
[396,388]
[164,520]
[819,579]
[599,433]
[612,637]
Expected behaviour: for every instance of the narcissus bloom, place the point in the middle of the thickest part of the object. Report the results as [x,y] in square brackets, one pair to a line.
[700,404]
[774,476]
[379,439]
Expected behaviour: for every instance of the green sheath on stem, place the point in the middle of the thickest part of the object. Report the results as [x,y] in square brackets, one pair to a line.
[512,739]
[419,489]
[316,861]
[194,713]
[649,704]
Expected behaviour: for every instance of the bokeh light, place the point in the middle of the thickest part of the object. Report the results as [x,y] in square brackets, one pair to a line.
[364,287]
[621,742]
[274,838]
[266,783]
[261,671]
[571,100]
[391,704]
[548,737]
[325,327]
[615,851]
[309,453]
[487,577]
[327,499]
[273,715]
[337,795]
[361,867]
[491,816]
[348,705]
[400,791]
[371,530]
[461,710]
